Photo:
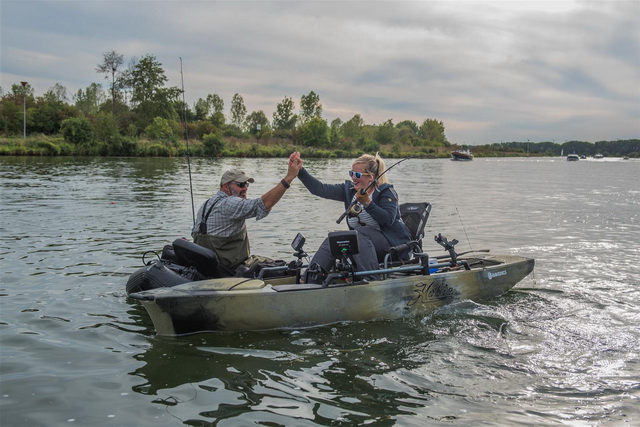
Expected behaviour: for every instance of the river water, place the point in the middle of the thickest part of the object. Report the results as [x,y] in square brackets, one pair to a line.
[561,348]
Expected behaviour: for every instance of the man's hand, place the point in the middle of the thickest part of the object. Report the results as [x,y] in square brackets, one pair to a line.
[271,197]
[295,155]
[295,164]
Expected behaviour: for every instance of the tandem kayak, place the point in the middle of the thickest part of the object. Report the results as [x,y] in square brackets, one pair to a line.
[179,301]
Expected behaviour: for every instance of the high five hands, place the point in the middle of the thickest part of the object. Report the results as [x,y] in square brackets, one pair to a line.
[295,163]
[295,160]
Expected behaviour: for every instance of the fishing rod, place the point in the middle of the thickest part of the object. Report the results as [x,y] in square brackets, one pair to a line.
[364,190]
[464,229]
[186,136]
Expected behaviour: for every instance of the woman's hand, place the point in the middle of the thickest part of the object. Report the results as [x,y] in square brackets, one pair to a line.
[295,164]
[363,199]
[294,158]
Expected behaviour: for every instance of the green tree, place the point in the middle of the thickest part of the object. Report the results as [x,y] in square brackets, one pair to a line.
[10,117]
[578,147]
[238,111]
[432,132]
[409,124]
[147,79]
[105,128]
[18,91]
[214,144]
[629,147]
[161,106]
[310,107]
[216,103]
[124,89]
[368,145]
[201,109]
[284,118]
[183,110]
[218,119]
[257,118]
[315,133]
[336,131]
[88,101]
[386,132]
[206,108]
[49,111]
[152,99]
[77,130]
[56,94]
[200,128]
[111,63]
[11,108]
[160,129]
[231,130]
[406,132]
[353,127]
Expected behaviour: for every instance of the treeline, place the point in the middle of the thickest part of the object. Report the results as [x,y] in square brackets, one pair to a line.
[138,114]
[618,148]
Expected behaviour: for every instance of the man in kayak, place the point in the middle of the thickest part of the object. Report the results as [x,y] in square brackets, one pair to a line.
[220,223]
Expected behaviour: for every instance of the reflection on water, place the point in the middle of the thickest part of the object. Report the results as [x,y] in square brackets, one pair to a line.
[560,348]
[320,375]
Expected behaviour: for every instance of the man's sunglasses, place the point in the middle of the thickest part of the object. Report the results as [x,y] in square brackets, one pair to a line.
[358,175]
[241,184]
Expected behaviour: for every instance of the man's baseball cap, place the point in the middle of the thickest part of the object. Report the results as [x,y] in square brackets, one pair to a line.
[235,175]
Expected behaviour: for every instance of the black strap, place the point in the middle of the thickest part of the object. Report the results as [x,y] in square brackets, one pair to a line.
[203,224]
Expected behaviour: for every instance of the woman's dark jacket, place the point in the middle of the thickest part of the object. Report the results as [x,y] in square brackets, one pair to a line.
[384,209]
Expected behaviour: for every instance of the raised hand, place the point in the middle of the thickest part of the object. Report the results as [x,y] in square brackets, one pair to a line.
[295,164]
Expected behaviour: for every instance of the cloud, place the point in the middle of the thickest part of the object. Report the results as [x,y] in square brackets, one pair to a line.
[491,71]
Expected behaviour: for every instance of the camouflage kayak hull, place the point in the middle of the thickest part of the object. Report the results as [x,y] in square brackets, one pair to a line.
[240,304]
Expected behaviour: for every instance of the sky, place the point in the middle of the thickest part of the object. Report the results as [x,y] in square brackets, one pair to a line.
[491,71]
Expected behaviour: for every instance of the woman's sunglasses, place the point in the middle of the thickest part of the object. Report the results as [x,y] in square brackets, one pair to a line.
[241,184]
[358,175]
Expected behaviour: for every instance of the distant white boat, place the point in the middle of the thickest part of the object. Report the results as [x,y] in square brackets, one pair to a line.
[461,155]
[573,157]
[598,156]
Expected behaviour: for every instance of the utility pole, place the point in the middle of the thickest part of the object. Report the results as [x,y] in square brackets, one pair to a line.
[24,109]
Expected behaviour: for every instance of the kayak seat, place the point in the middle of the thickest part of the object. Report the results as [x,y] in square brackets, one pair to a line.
[189,254]
[415,216]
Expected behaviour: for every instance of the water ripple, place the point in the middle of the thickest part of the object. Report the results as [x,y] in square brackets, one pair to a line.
[561,348]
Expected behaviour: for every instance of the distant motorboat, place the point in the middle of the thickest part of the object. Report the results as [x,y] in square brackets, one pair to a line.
[573,157]
[461,155]
[598,156]
[583,157]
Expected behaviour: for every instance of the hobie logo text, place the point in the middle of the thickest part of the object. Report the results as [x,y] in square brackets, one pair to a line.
[491,275]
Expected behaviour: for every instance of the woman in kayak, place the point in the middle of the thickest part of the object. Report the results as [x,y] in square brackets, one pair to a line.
[375,215]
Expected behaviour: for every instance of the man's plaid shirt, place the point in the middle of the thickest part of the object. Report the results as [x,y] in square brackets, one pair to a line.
[228,216]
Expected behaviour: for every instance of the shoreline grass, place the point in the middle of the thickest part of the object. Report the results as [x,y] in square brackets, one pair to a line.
[44,145]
